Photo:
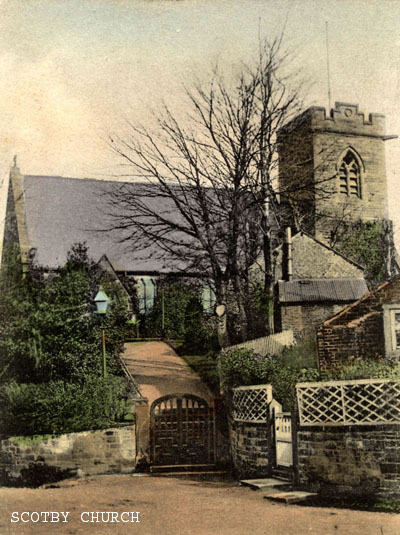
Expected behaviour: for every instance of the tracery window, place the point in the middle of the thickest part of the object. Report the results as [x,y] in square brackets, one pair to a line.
[350,175]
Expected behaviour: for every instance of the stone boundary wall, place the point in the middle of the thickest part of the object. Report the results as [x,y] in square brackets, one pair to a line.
[251,452]
[23,461]
[352,460]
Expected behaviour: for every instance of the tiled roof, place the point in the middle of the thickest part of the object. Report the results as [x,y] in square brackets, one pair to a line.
[321,290]
[267,345]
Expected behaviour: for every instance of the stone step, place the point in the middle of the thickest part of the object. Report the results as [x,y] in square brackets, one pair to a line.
[294,496]
[263,483]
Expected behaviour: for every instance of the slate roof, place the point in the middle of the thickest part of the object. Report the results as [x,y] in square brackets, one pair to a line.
[321,290]
[62,211]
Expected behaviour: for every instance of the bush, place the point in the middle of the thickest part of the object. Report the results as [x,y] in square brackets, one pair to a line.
[59,407]
[355,368]
[242,367]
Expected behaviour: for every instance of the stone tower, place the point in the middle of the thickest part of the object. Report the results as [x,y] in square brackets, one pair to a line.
[332,168]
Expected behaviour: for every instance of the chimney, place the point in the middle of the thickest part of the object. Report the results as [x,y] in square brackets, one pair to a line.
[287,261]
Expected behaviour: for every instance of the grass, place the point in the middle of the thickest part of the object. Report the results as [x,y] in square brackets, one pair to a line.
[377,505]
[206,368]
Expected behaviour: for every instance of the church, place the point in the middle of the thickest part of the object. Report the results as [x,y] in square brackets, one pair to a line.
[331,170]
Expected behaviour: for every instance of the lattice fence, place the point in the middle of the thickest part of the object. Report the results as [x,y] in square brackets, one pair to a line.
[251,403]
[359,402]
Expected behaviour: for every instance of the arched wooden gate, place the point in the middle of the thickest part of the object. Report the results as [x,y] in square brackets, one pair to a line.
[182,432]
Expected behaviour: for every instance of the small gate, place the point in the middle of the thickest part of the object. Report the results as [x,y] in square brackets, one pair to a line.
[283,439]
[182,431]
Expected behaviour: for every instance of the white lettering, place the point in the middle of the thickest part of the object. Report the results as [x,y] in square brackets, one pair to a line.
[24,513]
[15,515]
[137,517]
[84,513]
[65,515]
[102,516]
[124,513]
[45,515]
[114,517]
[37,516]
[55,515]
[93,516]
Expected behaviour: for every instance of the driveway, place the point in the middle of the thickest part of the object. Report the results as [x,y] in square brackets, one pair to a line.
[159,371]
[173,506]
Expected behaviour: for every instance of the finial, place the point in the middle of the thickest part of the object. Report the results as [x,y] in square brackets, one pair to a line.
[15,161]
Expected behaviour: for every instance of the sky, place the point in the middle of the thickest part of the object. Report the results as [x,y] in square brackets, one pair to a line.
[73,71]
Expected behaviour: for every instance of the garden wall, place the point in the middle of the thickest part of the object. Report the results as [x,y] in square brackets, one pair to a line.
[250,445]
[29,461]
[354,460]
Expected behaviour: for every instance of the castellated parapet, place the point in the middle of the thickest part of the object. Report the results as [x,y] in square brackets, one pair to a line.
[332,167]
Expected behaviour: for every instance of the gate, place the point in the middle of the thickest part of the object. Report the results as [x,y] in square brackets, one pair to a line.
[283,439]
[182,432]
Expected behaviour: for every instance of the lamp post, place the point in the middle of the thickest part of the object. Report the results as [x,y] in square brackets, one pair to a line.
[102,301]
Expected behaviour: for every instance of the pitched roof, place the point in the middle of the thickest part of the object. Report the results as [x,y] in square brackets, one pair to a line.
[321,290]
[62,211]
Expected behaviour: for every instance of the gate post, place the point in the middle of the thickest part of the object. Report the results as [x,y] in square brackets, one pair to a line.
[142,431]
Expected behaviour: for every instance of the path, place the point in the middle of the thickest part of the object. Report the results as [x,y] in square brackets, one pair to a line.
[159,371]
[172,506]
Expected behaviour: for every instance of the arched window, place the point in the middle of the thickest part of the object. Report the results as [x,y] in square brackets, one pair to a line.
[350,174]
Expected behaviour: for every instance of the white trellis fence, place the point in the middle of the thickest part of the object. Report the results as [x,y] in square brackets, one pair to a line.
[358,402]
[251,403]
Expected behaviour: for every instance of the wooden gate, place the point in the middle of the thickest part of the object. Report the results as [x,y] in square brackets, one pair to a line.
[182,432]
[283,439]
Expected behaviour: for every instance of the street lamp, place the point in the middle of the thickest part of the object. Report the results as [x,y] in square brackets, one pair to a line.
[102,301]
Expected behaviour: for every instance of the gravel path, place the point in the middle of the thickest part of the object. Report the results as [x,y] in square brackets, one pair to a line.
[176,506]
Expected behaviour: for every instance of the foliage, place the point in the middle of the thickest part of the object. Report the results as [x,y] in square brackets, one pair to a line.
[369,244]
[242,367]
[48,328]
[58,407]
[168,315]
[355,368]
[205,367]
[183,318]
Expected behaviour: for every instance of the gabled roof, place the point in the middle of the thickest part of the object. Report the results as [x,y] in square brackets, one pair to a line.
[62,211]
[321,290]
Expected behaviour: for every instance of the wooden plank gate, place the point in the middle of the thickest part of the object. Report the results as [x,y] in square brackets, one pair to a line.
[283,439]
[182,432]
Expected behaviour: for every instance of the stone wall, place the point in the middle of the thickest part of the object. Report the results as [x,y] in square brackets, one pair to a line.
[357,460]
[310,149]
[251,449]
[305,319]
[26,461]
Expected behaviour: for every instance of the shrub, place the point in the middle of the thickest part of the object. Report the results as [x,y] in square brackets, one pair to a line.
[58,407]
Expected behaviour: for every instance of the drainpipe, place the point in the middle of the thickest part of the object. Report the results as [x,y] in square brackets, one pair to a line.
[288,251]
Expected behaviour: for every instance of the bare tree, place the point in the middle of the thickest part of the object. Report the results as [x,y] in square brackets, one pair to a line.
[206,179]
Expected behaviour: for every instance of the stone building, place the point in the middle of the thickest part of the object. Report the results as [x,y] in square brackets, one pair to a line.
[332,168]
[370,327]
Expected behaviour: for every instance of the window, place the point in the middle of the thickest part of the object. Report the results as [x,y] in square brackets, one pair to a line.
[208,298]
[391,318]
[350,175]
[146,294]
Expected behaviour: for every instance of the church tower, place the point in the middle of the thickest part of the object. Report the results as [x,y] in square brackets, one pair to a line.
[332,168]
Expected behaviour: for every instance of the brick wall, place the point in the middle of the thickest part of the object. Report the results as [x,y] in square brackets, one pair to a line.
[251,449]
[86,453]
[358,331]
[356,460]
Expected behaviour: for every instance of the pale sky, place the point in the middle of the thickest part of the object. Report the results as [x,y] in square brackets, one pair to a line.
[73,70]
